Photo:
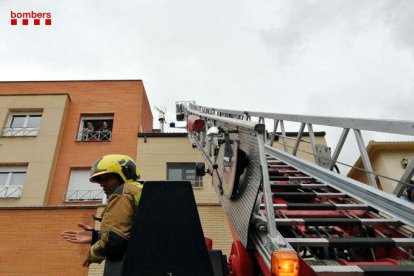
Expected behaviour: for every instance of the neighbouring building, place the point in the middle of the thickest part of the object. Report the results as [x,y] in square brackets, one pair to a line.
[387,158]
[51,133]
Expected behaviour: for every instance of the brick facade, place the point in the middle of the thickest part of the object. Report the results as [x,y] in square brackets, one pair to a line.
[31,244]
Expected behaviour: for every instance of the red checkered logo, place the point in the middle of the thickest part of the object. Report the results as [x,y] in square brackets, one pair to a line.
[30,18]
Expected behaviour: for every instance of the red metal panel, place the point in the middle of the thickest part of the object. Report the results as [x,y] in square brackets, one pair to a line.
[240,261]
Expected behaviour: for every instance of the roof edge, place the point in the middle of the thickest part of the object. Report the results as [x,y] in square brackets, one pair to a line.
[39,94]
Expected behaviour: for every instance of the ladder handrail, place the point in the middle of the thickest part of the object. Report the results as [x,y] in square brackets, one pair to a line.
[404,127]
[259,127]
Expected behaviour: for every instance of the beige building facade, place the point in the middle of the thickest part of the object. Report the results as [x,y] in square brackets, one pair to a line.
[28,153]
[388,159]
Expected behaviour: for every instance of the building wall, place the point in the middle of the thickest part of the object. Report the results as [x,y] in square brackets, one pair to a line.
[31,242]
[378,165]
[38,152]
[215,226]
[385,159]
[391,161]
[146,113]
[126,100]
[154,152]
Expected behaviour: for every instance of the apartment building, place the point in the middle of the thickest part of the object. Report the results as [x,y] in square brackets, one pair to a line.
[51,133]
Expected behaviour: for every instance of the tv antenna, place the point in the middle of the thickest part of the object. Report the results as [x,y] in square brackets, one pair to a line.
[161,116]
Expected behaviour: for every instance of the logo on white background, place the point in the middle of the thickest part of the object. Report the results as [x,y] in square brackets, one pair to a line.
[30,18]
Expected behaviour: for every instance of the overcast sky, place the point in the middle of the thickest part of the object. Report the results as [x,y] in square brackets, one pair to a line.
[340,58]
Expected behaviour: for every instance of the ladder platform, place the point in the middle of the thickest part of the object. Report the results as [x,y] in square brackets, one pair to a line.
[336,221]
[364,242]
[315,206]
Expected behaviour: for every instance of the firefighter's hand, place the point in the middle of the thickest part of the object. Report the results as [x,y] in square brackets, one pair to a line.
[86,262]
[78,236]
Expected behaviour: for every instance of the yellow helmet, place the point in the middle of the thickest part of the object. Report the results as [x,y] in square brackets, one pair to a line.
[122,165]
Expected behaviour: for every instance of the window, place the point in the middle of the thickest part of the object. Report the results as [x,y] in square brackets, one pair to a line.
[11,181]
[23,124]
[95,129]
[184,171]
[81,189]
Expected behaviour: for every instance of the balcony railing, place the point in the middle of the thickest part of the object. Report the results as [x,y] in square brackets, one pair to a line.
[93,137]
[84,195]
[11,191]
[20,131]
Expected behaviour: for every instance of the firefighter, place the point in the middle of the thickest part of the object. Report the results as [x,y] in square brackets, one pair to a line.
[117,175]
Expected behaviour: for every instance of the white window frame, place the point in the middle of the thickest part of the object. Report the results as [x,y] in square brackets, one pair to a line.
[91,118]
[78,195]
[21,131]
[8,191]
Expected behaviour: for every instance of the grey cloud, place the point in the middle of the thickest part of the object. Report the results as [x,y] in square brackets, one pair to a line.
[352,17]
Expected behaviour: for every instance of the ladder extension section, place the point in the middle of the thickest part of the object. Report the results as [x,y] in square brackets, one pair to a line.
[335,224]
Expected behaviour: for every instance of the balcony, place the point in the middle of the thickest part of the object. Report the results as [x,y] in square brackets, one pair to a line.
[11,192]
[19,131]
[96,136]
[84,195]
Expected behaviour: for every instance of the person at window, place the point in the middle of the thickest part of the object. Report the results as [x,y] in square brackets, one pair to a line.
[88,133]
[104,132]
[117,175]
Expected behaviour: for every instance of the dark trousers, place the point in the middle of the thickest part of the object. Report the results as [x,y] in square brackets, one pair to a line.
[113,268]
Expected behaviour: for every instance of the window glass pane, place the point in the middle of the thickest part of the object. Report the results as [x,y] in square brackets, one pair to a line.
[17,179]
[175,174]
[190,175]
[3,178]
[18,120]
[183,171]
[34,121]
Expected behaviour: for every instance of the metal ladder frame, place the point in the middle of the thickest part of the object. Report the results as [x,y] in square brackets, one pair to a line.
[272,239]
[357,125]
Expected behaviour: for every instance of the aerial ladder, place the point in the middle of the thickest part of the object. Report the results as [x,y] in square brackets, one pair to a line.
[290,216]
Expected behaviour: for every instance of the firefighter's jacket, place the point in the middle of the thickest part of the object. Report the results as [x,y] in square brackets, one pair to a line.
[116,223]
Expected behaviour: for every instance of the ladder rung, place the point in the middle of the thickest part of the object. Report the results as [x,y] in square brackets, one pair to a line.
[287,178]
[274,161]
[352,270]
[279,166]
[336,221]
[350,242]
[296,186]
[307,195]
[282,171]
[324,206]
